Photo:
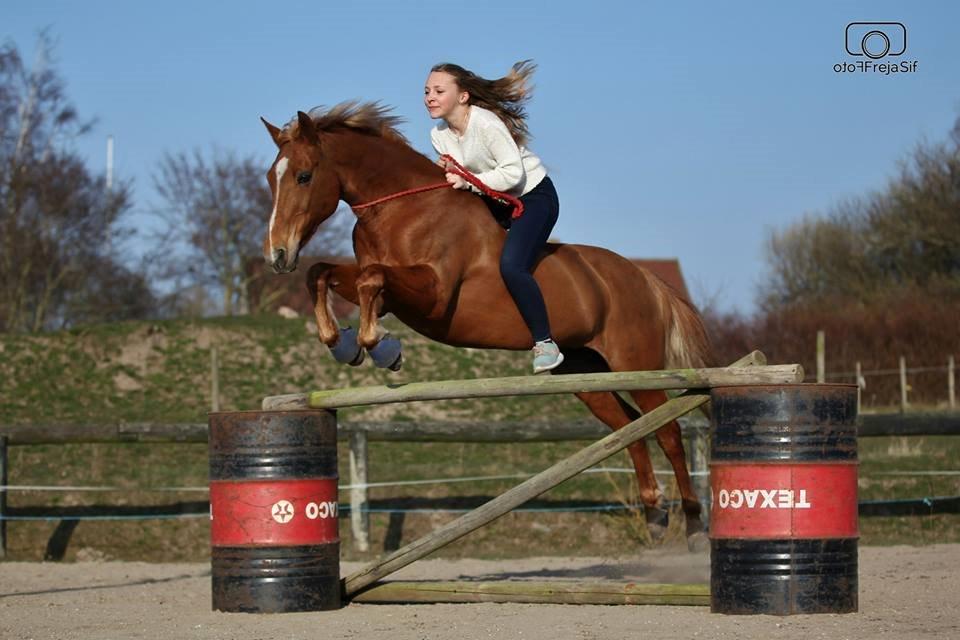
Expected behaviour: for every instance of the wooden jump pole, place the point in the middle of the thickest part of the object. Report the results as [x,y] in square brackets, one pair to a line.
[535,592]
[529,386]
[563,470]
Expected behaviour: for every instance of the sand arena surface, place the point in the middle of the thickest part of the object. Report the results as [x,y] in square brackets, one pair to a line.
[905,592]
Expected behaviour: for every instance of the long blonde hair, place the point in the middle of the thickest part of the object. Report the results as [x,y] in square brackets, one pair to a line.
[505,96]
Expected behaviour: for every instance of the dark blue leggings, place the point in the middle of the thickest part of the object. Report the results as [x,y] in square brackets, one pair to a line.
[527,236]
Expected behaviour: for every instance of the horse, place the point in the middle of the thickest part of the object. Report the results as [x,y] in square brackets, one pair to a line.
[430,256]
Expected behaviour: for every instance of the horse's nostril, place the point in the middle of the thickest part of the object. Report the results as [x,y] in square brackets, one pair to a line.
[280,259]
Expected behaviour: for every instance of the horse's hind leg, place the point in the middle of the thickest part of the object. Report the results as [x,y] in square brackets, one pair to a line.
[610,409]
[671,442]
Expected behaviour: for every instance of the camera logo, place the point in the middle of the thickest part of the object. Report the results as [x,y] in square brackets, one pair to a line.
[876,40]
[876,48]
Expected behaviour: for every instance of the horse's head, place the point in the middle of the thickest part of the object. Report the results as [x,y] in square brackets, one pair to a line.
[305,188]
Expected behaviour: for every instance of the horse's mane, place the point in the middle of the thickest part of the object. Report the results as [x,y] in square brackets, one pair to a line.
[367,117]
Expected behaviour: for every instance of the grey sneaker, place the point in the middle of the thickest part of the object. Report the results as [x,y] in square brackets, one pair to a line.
[546,356]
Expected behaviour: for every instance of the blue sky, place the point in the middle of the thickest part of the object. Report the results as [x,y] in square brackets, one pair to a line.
[686,129]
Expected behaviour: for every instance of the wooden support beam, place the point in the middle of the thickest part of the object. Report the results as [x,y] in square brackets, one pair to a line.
[374,430]
[56,433]
[539,385]
[535,592]
[563,470]
[908,424]
[892,424]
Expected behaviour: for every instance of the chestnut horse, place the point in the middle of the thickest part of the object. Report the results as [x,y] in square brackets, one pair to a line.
[431,258]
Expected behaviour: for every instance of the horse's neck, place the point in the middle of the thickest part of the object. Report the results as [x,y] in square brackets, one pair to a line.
[371,167]
[408,230]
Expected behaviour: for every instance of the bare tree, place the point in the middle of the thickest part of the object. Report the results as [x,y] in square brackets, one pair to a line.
[816,258]
[217,210]
[906,236]
[916,237]
[59,224]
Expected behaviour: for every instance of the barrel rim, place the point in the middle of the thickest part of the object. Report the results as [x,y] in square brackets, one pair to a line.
[789,385]
[272,412]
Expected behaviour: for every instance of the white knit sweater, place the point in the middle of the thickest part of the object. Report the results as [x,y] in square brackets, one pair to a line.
[489,151]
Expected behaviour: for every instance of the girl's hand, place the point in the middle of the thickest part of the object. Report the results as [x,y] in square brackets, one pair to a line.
[442,163]
[457,181]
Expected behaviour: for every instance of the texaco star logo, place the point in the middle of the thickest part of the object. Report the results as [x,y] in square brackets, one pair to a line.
[282,512]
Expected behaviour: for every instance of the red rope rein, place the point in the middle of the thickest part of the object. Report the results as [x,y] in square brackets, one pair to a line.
[453,167]
[400,194]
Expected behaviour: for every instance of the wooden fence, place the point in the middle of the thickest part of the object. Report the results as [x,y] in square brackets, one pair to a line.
[360,433]
[859,375]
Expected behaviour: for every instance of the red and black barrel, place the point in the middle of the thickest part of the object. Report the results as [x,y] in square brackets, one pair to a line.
[783,474]
[273,511]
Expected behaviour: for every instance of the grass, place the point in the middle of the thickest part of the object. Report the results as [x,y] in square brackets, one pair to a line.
[159,372]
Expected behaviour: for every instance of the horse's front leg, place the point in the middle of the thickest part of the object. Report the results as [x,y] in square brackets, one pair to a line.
[321,277]
[384,348]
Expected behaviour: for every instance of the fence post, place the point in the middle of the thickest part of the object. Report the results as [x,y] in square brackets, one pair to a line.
[699,449]
[903,384]
[214,380]
[861,384]
[3,497]
[951,394]
[359,517]
[821,357]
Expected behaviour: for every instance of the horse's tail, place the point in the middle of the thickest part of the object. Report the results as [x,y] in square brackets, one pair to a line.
[686,342]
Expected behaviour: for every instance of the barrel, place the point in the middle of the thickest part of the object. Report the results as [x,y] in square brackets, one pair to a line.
[783,475]
[275,543]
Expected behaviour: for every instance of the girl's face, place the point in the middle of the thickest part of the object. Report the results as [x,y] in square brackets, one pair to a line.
[442,96]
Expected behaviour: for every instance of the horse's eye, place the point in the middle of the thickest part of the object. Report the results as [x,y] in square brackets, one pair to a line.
[303,177]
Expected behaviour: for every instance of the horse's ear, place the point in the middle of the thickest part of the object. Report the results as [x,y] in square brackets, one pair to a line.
[272,130]
[307,129]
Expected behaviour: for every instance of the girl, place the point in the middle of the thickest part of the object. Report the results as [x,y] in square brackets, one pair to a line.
[484,128]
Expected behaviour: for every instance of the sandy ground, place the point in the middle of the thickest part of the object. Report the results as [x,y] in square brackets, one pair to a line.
[905,592]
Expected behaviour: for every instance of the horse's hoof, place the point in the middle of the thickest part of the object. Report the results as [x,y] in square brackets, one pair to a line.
[656,531]
[387,354]
[698,542]
[396,365]
[657,521]
[347,350]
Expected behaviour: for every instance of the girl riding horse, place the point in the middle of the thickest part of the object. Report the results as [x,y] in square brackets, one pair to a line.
[430,255]
[484,129]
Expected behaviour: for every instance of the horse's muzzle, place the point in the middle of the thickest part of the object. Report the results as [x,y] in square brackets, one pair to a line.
[279,262]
